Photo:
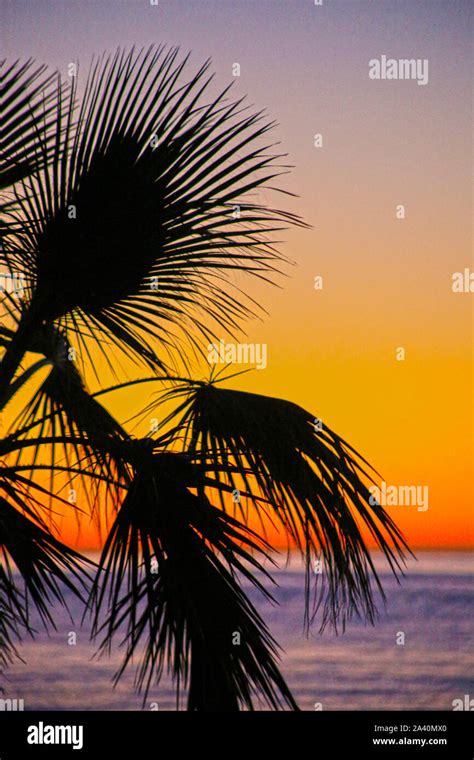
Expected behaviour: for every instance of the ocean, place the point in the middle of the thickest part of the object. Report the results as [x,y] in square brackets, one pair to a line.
[363,669]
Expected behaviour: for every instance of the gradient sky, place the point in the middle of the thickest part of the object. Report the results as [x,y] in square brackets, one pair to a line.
[387,282]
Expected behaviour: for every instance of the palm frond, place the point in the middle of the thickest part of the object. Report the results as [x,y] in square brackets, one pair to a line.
[153,172]
[315,486]
[43,561]
[191,605]
[34,566]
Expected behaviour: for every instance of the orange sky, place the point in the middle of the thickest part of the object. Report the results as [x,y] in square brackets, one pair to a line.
[387,281]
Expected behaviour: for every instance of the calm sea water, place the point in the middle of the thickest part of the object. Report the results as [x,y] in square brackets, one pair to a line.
[363,669]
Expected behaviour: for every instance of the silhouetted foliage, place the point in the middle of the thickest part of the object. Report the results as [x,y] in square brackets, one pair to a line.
[117,213]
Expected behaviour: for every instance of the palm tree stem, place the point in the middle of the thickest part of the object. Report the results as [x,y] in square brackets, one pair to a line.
[209,690]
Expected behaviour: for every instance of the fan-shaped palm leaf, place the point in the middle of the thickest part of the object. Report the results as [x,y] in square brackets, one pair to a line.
[143,191]
[316,484]
[191,604]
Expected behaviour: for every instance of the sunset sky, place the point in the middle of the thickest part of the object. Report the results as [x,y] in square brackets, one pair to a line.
[386,281]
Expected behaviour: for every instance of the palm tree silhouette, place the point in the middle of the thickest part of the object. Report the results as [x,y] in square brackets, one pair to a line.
[127,212]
